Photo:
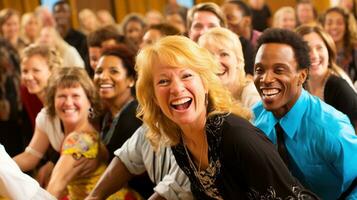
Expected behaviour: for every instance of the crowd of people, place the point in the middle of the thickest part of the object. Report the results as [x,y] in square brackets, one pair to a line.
[223,101]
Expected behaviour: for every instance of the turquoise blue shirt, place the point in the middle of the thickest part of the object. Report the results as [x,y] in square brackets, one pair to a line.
[321,142]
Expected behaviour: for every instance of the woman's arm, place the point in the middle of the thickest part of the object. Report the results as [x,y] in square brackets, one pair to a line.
[156,196]
[113,179]
[14,184]
[29,159]
[77,148]
[90,165]
[65,170]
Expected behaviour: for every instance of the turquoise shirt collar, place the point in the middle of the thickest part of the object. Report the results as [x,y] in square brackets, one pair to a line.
[292,120]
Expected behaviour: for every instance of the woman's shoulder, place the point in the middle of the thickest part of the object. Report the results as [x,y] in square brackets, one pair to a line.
[81,144]
[131,107]
[239,130]
[336,84]
[234,122]
[46,122]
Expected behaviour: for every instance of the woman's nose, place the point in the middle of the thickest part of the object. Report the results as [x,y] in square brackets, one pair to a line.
[177,87]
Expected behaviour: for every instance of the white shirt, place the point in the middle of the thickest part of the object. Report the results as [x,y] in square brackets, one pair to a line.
[16,185]
[138,156]
[71,58]
[51,127]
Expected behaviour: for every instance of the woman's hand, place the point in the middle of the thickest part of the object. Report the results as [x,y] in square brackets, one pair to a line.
[44,174]
[87,166]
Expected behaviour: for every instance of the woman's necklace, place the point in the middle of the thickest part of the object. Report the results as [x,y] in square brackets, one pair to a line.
[206,184]
[192,164]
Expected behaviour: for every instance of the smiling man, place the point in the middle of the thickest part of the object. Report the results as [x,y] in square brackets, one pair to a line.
[317,142]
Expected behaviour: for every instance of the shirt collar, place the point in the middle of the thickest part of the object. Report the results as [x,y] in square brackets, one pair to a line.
[292,120]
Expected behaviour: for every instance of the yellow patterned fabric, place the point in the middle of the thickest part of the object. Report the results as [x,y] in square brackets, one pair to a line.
[86,145]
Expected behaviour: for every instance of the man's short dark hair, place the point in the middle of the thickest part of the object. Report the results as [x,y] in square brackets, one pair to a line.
[246,11]
[61,2]
[283,36]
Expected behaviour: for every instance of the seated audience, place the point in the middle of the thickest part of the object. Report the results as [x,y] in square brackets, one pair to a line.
[99,39]
[306,12]
[154,17]
[30,28]
[285,18]
[343,29]
[72,99]
[10,28]
[186,107]
[226,47]
[49,36]
[239,20]
[133,26]
[327,80]
[157,31]
[114,79]
[261,14]
[137,155]
[88,21]
[316,141]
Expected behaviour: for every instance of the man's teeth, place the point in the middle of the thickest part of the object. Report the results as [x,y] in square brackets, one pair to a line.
[181,101]
[270,92]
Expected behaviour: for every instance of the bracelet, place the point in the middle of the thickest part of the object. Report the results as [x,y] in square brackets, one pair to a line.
[33,152]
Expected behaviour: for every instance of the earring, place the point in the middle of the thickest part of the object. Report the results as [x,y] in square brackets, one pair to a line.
[206,99]
[91,113]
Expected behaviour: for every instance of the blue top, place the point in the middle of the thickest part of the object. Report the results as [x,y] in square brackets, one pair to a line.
[321,142]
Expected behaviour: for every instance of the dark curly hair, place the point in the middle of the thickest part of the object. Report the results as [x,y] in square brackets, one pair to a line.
[126,56]
[283,36]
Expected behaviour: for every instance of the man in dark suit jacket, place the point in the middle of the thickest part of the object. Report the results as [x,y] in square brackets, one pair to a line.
[62,14]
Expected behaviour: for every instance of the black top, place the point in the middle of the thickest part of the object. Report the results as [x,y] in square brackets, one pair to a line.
[79,41]
[339,94]
[248,53]
[260,18]
[249,166]
[13,120]
[123,127]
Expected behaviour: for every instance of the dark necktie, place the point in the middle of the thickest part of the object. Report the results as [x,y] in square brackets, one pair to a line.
[281,144]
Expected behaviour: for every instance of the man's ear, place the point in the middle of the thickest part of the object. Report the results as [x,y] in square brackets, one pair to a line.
[303,73]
